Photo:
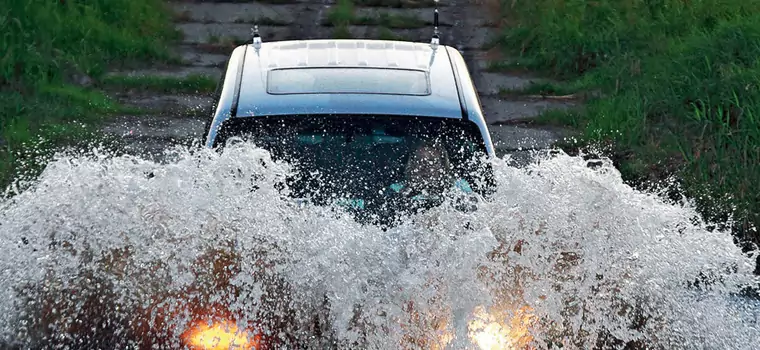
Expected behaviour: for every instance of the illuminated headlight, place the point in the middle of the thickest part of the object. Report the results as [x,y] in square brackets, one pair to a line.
[490,336]
[489,333]
[217,336]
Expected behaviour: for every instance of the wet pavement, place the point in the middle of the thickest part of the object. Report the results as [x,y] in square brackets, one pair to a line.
[211,29]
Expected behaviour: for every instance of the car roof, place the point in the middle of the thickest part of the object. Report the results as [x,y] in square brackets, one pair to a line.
[442,99]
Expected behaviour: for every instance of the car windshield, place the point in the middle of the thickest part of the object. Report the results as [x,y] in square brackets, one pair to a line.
[358,157]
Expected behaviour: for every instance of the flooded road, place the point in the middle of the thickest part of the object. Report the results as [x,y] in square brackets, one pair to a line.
[110,251]
[105,248]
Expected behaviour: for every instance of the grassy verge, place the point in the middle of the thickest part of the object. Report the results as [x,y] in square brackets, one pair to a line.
[393,21]
[52,116]
[340,17]
[397,3]
[343,14]
[52,50]
[680,81]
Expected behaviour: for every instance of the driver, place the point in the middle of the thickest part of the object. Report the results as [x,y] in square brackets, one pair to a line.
[428,174]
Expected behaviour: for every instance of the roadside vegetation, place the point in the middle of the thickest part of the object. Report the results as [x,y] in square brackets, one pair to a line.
[343,14]
[340,17]
[679,83]
[396,3]
[55,52]
[393,21]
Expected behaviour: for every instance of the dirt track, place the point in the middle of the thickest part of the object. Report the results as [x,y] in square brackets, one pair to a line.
[211,28]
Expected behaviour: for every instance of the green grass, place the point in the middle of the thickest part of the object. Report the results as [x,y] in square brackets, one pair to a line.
[49,43]
[51,116]
[397,3]
[384,19]
[681,81]
[45,38]
[195,83]
[340,17]
[213,39]
[394,21]
[343,14]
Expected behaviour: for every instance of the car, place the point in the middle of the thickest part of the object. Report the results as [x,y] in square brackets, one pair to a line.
[366,124]
[351,114]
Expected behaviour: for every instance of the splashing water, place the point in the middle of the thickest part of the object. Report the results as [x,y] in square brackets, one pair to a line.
[105,250]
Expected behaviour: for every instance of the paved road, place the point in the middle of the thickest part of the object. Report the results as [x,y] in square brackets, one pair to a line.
[209,27]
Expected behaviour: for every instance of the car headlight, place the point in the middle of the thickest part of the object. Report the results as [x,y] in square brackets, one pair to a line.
[488,331]
[219,335]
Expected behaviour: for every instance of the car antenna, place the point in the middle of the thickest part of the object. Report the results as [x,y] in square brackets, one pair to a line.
[256,37]
[436,38]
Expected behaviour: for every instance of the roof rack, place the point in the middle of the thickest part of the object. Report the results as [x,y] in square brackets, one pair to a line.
[436,37]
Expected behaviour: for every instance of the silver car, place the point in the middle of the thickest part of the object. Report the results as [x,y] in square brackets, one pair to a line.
[390,127]
[386,125]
